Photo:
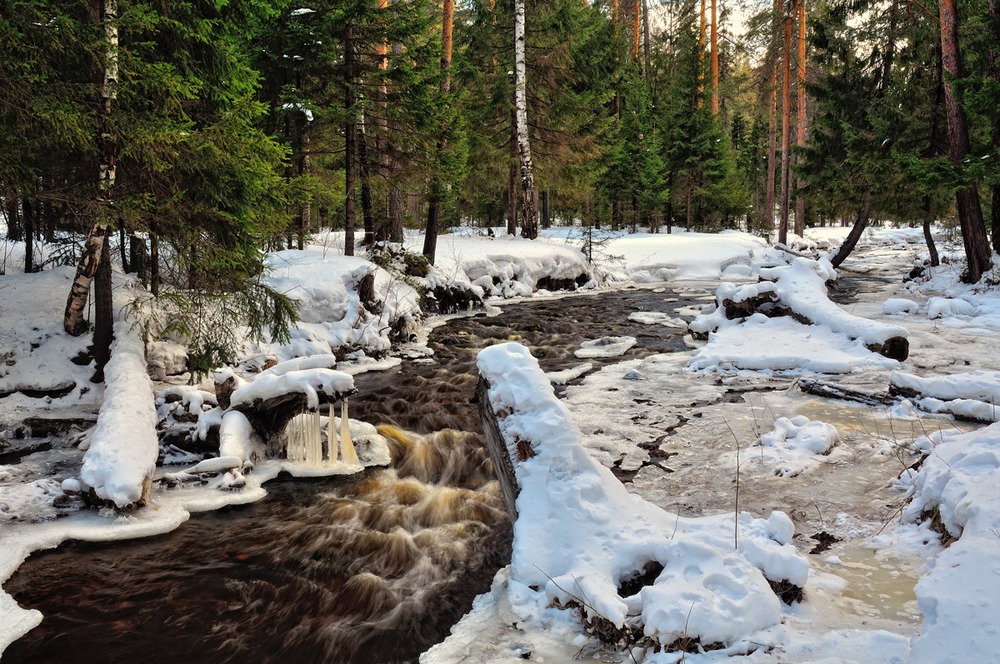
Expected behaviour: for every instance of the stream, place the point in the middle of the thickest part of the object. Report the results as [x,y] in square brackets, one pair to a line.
[371,568]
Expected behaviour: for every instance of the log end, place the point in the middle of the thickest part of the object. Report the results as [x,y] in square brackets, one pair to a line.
[895,348]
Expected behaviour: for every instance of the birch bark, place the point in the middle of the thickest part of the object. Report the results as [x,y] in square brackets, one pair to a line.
[529,228]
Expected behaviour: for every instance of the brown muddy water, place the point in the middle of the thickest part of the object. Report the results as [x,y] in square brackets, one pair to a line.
[374,568]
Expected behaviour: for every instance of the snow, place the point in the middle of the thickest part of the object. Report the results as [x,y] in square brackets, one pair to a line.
[580,533]
[332,315]
[580,530]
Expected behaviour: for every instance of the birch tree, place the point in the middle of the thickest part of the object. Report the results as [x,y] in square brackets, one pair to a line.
[529,227]
[74,321]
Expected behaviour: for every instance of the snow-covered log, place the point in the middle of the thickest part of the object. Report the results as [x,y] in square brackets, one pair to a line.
[636,572]
[271,400]
[798,290]
[118,466]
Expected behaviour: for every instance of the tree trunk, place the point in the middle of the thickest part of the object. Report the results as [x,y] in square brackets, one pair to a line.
[702,29]
[349,139]
[397,213]
[436,186]
[772,123]
[104,317]
[645,40]
[154,265]
[305,213]
[512,178]
[928,237]
[994,69]
[29,235]
[73,320]
[852,238]
[786,113]
[801,124]
[365,171]
[970,215]
[637,14]
[529,227]
[715,58]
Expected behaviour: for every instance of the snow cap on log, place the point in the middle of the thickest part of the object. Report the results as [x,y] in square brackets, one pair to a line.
[119,464]
[312,383]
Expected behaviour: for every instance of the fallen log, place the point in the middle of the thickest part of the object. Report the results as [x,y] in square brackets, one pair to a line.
[832,391]
[497,448]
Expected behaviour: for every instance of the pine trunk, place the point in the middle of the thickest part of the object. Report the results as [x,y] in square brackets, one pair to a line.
[860,223]
[365,171]
[702,29]
[29,235]
[786,113]
[994,69]
[970,215]
[928,236]
[529,227]
[645,39]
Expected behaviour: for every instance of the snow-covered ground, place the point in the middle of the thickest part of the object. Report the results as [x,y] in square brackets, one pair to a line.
[799,464]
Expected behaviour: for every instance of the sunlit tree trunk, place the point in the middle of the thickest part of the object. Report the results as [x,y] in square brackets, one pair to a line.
[715,58]
[994,70]
[802,121]
[970,214]
[529,227]
[702,29]
[786,113]
[772,120]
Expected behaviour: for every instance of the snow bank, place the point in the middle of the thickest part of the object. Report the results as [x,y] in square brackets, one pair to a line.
[507,267]
[120,461]
[331,313]
[960,596]
[580,534]
[971,395]
[652,257]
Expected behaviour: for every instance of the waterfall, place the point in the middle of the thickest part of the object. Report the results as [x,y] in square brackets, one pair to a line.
[347,453]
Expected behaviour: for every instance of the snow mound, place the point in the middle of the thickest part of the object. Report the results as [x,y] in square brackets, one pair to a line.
[656,318]
[898,306]
[795,443]
[960,595]
[310,382]
[581,537]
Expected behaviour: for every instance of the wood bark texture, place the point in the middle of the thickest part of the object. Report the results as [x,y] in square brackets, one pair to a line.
[529,227]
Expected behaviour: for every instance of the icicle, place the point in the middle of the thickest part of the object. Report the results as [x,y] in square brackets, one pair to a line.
[314,441]
[347,452]
[331,437]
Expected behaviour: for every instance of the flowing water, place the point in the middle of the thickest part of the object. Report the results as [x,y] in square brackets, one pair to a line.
[367,569]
